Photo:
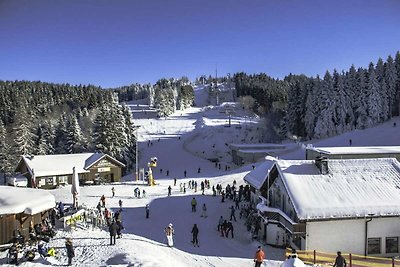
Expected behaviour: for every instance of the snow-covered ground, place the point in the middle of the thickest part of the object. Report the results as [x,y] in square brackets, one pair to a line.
[182,142]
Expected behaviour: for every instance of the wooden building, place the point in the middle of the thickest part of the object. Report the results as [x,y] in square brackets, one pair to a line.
[19,208]
[50,171]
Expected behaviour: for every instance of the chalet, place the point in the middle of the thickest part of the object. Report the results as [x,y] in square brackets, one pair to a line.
[50,171]
[19,208]
[360,152]
[323,204]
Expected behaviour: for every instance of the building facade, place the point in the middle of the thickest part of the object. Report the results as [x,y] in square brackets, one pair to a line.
[351,205]
[50,171]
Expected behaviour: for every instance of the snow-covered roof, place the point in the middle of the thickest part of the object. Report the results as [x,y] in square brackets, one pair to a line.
[62,164]
[357,150]
[352,188]
[30,201]
[257,177]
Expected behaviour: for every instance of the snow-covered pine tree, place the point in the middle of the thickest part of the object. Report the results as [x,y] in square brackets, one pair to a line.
[75,141]
[24,141]
[382,90]
[390,79]
[61,135]
[361,116]
[45,138]
[342,106]
[5,165]
[352,91]
[312,110]
[396,111]
[374,98]
[325,125]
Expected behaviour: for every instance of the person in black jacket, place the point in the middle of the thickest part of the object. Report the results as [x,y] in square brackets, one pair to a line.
[340,260]
[113,232]
[70,250]
[195,233]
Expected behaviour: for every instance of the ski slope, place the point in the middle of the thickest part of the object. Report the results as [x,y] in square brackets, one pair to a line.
[182,142]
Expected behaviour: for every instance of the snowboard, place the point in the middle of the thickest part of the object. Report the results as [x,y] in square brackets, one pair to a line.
[170,240]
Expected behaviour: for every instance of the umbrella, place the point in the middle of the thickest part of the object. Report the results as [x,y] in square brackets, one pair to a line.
[75,187]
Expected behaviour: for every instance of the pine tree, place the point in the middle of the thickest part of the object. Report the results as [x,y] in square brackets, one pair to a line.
[396,104]
[5,166]
[24,141]
[75,141]
[390,79]
[325,125]
[361,116]
[374,99]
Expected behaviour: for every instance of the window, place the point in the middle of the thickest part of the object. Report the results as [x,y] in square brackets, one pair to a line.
[49,180]
[374,246]
[63,179]
[392,244]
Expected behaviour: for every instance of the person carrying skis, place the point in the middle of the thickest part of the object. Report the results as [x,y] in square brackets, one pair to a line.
[70,250]
[195,233]
[169,232]
[194,204]
[204,211]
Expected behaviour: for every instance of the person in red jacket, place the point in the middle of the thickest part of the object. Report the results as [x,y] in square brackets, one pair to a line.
[259,257]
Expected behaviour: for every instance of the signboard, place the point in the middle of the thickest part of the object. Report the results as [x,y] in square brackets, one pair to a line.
[104,169]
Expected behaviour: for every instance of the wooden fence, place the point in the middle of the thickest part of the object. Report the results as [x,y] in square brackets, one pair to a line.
[353,260]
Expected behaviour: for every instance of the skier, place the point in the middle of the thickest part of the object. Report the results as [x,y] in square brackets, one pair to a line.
[147,211]
[204,211]
[113,191]
[175,182]
[169,232]
[259,257]
[143,194]
[194,204]
[184,173]
[169,190]
[70,250]
[198,170]
[113,232]
[233,213]
[222,196]
[120,204]
[195,233]
[167,172]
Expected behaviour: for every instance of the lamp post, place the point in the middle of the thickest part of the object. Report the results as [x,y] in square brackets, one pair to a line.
[136,128]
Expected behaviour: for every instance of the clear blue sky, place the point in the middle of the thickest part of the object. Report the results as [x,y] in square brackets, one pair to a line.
[113,42]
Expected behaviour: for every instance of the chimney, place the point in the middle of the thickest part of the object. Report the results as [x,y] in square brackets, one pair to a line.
[322,164]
